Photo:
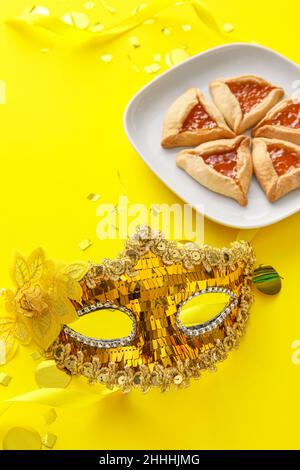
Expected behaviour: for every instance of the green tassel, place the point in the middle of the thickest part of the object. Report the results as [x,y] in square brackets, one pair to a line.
[267,280]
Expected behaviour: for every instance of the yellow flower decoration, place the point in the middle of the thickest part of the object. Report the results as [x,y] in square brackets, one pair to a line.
[43,299]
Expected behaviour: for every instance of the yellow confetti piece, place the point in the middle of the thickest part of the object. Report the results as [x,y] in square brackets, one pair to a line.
[49,440]
[228,27]
[89,5]
[77,19]
[97,28]
[18,438]
[157,57]
[152,68]
[37,10]
[93,197]
[5,379]
[47,375]
[45,50]
[106,58]
[134,42]
[2,97]
[85,244]
[35,355]
[50,416]
[149,21]
[175,56]
[108,7]
[166,31]
[186,27]
[139,8]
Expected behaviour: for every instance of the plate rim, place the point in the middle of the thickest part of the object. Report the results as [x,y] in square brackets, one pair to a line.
[130,104]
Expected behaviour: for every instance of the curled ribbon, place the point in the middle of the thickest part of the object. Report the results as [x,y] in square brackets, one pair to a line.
[74,34]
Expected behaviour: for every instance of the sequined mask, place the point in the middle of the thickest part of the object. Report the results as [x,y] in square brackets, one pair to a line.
[151,281]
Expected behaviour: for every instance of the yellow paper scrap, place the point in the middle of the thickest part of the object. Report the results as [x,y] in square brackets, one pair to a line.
[85,244]
[50,416]
[106,58]
[186,27]
[18,438]
[49,440]
[47,375]
[37,10]
[166,31]
[175,56]
[5,379]
[152,68]
[134,42]
[228,27]
[77,19]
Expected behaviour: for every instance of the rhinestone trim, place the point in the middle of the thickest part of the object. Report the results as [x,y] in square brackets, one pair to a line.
[98,342]
[208,326]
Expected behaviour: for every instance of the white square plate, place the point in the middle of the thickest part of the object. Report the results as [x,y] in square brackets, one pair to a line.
[144,117]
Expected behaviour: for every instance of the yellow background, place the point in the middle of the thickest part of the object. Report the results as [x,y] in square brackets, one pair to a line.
[61,138]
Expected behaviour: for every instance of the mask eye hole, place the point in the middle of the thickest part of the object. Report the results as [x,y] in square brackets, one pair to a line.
[103,325]
[205,310]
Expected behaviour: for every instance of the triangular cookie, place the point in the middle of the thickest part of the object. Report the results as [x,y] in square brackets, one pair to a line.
[191,120]
[277,166]
[224,166]
[244,100]
[281,122]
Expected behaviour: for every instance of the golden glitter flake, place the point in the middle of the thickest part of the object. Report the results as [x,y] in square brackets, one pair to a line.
[93,197]
[186,27]
[97,28]
[157,57]
[139,8]
[134,42]
[50,416]
[167,31]
[107,58]
[175,56]
[85,244]
[2,95]
[49,440]
[38,10]
[5,379]
[77,19]
[48,376]
[108,7]
[152,68]
[228,27]
[35,355]
[18,438]
[89,5]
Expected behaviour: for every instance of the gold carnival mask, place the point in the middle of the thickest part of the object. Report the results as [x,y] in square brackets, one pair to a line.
[151,281]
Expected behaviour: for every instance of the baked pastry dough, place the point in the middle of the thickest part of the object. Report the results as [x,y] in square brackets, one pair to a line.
[281,122]
[191,120]
[244,100]
[277,166]
[224,166]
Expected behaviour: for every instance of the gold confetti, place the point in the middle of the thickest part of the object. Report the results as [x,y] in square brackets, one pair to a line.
[166,31]
[35,355]
[18,438]
[152,68]
[37,10]
[228,27]
[108,7]
[93,197]
[106,58]
[97,28]
[139,8]
[50,416]
[134,42]
[186,27]
[89,5]
[157,57]
[85,244]
[2,97]
[4,379]
[149,21]
[175,56]
[77,19]
[49,440]
[47,375]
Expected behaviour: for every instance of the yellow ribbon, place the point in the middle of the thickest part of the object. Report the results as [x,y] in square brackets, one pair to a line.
[73,34]
[57,398]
